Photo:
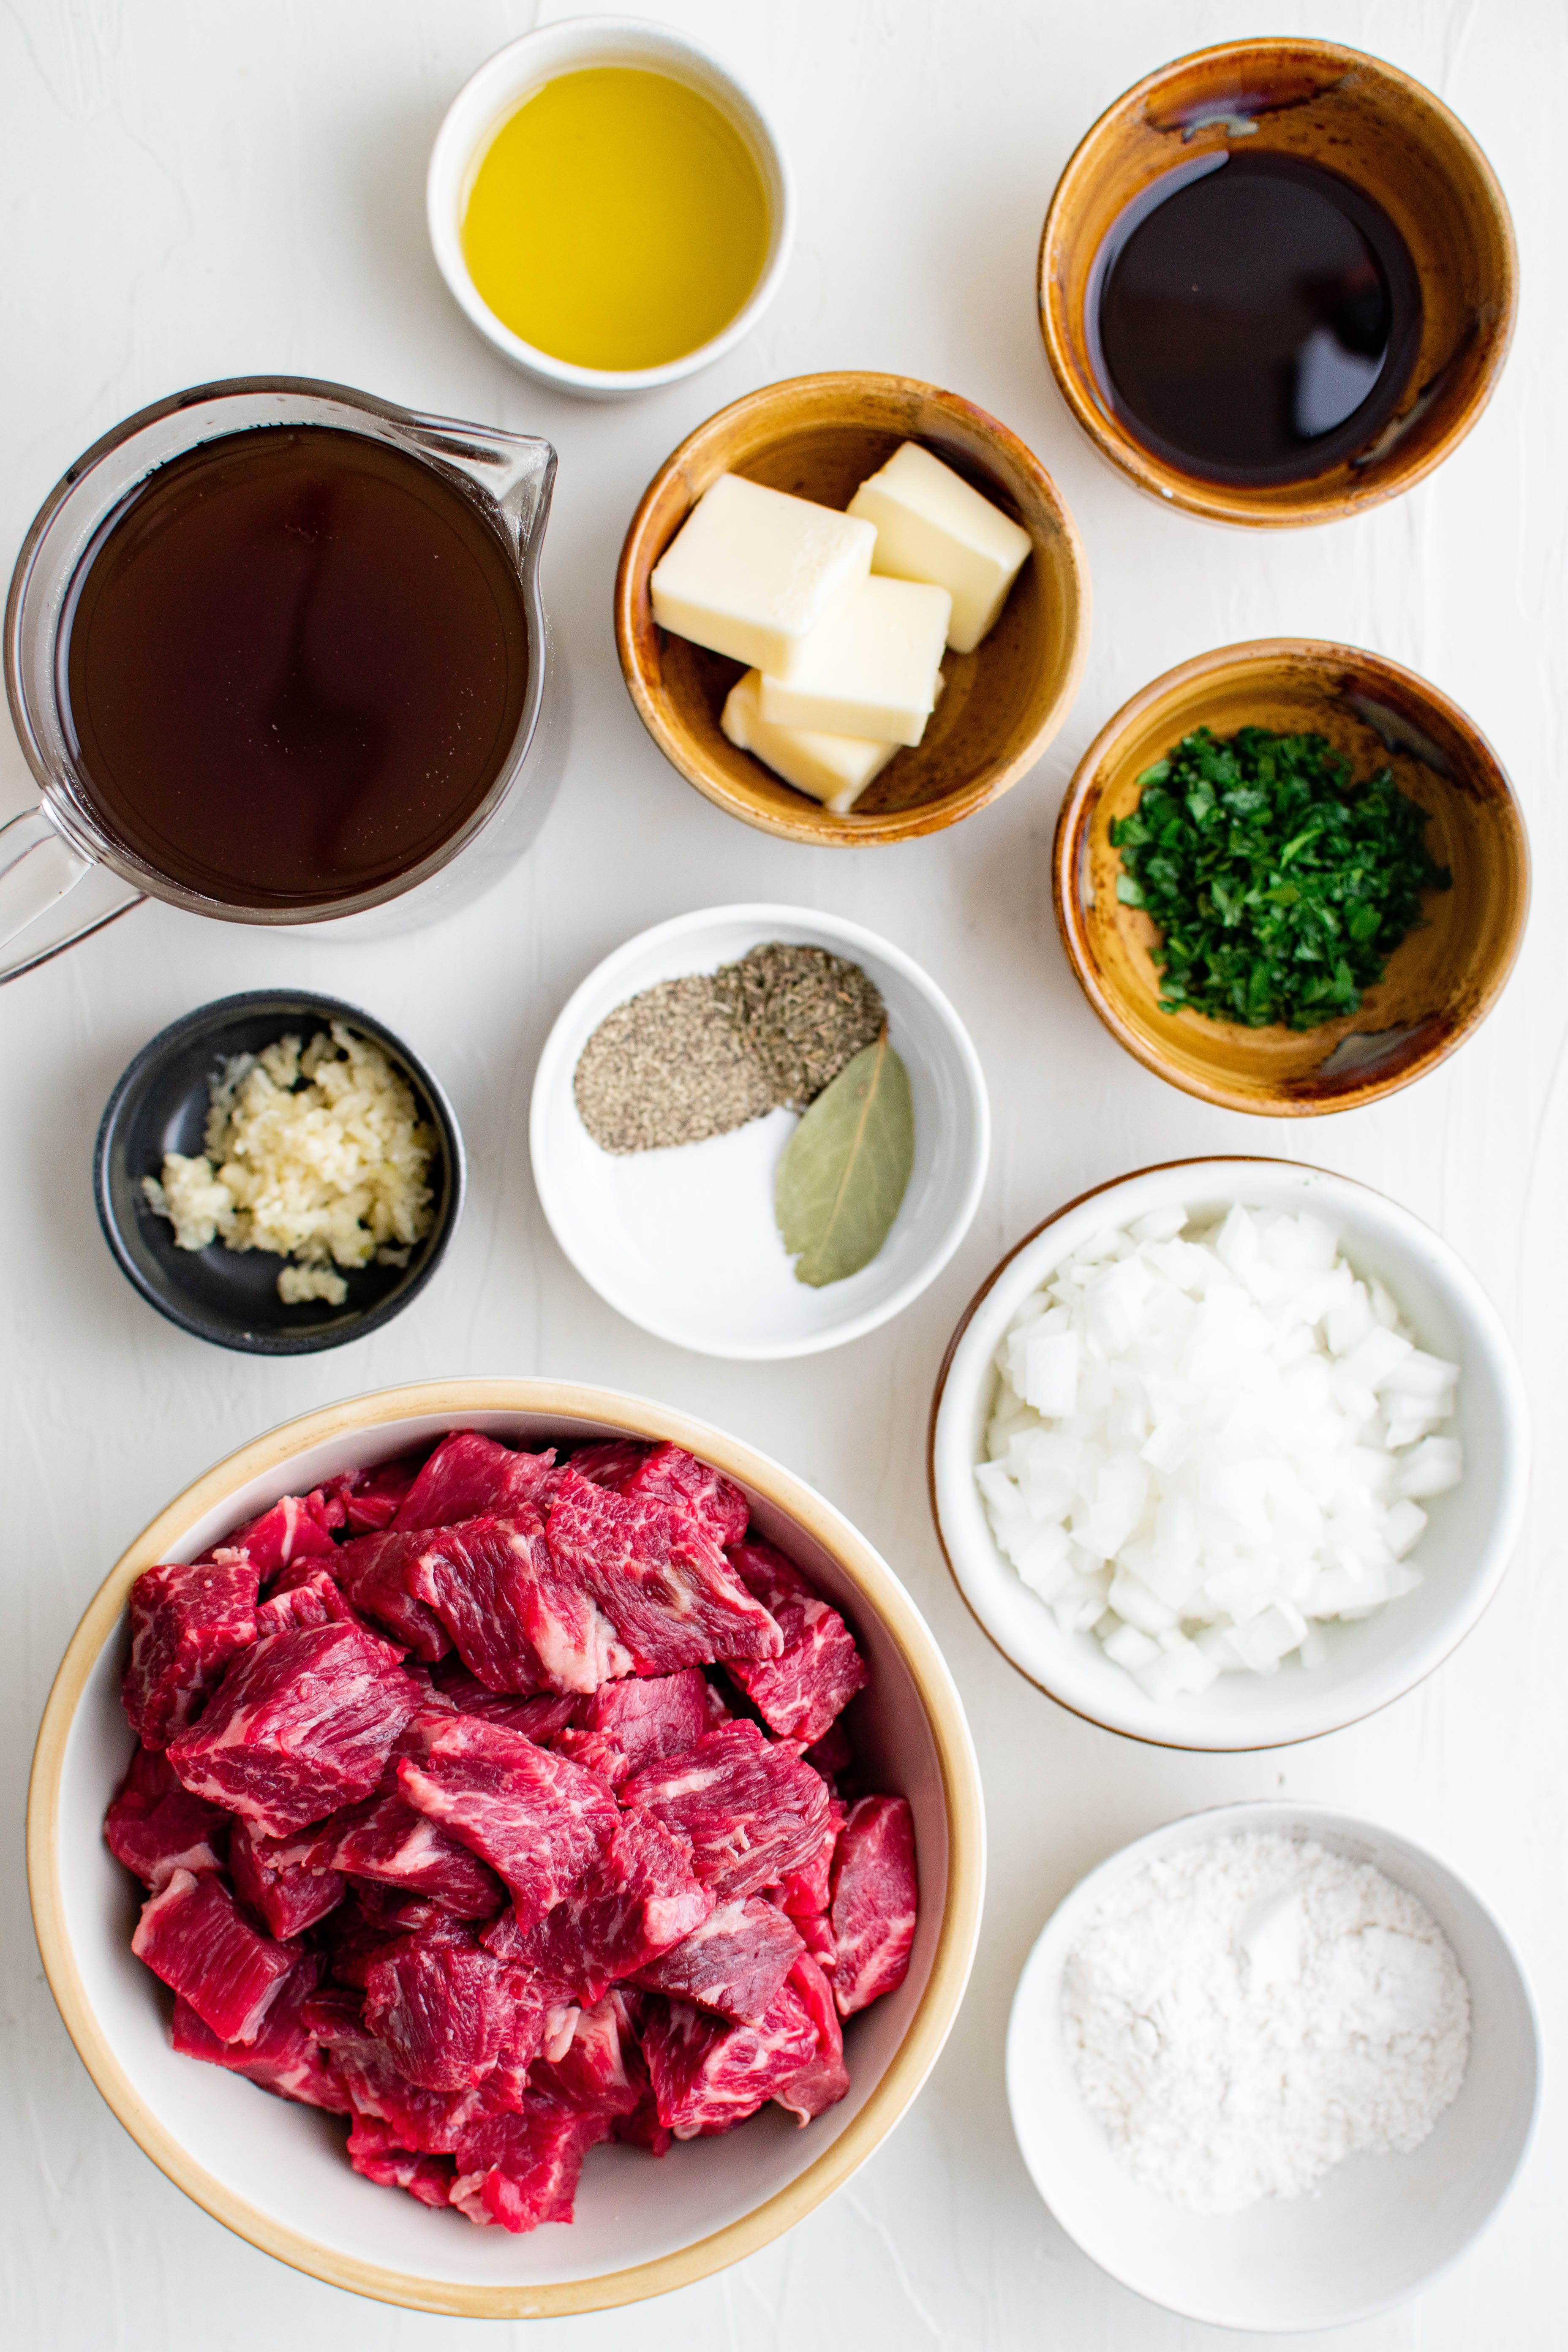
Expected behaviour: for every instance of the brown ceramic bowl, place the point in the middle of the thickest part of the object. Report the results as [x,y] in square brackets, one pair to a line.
[818,436]
[1443,979]
[1375,126]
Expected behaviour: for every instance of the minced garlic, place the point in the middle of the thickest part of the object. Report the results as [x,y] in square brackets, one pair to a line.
[318,1156]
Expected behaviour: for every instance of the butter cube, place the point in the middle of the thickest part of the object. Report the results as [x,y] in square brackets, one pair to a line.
[931,526]
[753,572]
[870,669]
[834,769]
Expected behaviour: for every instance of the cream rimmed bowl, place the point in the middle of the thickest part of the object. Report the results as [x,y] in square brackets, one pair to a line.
[1463,1553]
[276,2173]
[683,1241]
[495,92]
[1379,2228]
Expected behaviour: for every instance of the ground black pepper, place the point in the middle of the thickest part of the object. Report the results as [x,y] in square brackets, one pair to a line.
[698,1056]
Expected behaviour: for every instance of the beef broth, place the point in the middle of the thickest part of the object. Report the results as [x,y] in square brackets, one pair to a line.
[1259,321]
[293,666]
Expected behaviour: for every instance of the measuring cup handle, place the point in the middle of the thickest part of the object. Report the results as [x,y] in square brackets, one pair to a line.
[37,866]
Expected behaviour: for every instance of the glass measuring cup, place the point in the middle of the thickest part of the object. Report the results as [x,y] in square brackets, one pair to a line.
[63,871]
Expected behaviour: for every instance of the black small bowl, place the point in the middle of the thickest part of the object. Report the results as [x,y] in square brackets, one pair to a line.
[230,1297]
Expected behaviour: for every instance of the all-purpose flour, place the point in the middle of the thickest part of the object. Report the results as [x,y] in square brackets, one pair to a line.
[1246,2012]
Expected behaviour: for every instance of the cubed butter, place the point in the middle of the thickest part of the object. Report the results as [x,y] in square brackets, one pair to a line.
[834,769]
[870,669]
[751,573]
[931,526]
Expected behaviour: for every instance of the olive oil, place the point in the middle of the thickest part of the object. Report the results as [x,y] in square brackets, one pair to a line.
[617,220]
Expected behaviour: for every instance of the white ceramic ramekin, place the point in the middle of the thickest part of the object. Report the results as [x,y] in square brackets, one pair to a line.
[1379,2228]
[1463,1553]
[496,91]
[683,1241]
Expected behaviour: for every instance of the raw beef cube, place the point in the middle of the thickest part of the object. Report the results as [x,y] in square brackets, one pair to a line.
[387,1839]
[734,1962]
[296,1527]
[517,1623]
[600,2072]
[312,1600]
[186,1623]
[523,2169]
[471,1478]
[596,1751]
[665,1586]
[709,2073]
[371,1499]
[823,2080]
[540,1717]
[536,1818]
[649,1716]
[284,2058]
[876,1898]
[445,2008]
[806,1893]
[668,1474]
[637,1899]
[156,1827]
[611,1461]
[288,1895]
[372,2153]
[192,1935]
[300,1726]
[815,1932]
[832,1755]
[372,1916]
[750,1808]
[370,1569]
[800,1694]
[428,2122]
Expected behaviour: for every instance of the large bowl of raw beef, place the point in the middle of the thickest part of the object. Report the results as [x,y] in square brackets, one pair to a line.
[503,1802]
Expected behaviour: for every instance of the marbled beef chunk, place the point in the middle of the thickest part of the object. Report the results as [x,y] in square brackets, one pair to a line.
[192,1935]
[751,1806]
[801,1692]
[662,1583]
[285,2057]
[387,1841]
[371,1570]
[155,1826]
[186,1623]
[304,1595]
[297,1527]
[537,1819]
[709,2073]
[824,2079]
[669,1475]
[523,2170]
[638,1897]
[519,1624]
[600,2072]
[649,1716]
[288,1895]
[734,1962]
[470,1478]
[374,2151]
[446,2009]
[300,1725]
[876,1898]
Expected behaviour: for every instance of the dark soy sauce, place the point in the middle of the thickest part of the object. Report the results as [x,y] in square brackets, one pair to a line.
[293,665]
[1259,322]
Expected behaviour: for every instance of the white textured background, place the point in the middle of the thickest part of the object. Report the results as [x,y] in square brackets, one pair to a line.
[199,188]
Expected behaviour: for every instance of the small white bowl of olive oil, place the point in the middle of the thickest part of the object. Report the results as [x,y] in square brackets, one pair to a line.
[608,206]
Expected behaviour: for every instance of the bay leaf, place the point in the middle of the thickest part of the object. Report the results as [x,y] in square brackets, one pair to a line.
[847,1168]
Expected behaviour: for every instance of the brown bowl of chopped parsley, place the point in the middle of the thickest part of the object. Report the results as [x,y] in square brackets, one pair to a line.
[1290,877]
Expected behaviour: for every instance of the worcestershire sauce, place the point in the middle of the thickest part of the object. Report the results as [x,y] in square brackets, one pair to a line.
[293,665]
[1258,323]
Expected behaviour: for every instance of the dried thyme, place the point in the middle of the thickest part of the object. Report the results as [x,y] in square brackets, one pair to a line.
[696,1058]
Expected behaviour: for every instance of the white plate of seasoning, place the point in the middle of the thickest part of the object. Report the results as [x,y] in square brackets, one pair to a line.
[683,1241]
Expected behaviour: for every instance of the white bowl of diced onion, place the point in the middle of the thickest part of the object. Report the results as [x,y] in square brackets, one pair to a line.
[1353,1481]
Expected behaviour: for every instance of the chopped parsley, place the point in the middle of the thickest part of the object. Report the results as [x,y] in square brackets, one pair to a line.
[1280,887]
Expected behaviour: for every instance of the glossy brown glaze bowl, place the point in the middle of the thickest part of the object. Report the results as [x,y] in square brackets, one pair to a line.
[818,436]
[1374,125]
[1442,980]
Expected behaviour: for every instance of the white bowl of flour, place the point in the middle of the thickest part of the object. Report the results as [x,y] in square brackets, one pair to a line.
[1221,2010]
